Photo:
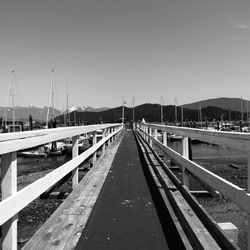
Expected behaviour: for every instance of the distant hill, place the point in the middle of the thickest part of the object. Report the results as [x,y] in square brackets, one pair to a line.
[151,113]
[23,113]
[212,109]
[90,109]
[40,114]
[234,104]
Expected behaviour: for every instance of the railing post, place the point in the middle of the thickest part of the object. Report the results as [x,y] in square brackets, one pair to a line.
[155,136]
[248,190]
[103,145]
[146,133]
[165,142]
[148,130]
[9,187]
[114,134]
[94,142]
[185,153]
[150,140]
[143,130]
[75,154]
[155,133]
[109,140]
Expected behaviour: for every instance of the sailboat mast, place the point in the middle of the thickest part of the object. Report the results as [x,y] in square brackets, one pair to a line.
[241,109]
[67,105]
[52,96]
[123,112]
[123,103]
[133,110]
[182,115]
[51,99]
[12,98]
[175,101]
[161,110]
[200,115]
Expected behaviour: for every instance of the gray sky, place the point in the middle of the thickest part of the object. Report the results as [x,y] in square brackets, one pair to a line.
[185,49]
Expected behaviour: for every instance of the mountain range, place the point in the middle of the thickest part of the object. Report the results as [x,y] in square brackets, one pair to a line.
[234,104]
[211,109]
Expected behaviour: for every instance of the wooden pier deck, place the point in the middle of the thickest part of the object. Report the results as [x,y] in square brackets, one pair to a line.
[116,213]
[129,199]
[124,216]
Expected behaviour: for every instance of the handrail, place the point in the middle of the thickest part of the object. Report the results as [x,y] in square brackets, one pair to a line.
[13,201]
[25,140]
[235,140]
[40,132]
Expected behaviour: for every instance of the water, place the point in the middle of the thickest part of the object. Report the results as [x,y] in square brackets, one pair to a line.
[205,150]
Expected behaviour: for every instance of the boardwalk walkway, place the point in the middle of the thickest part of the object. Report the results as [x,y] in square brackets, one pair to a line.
[124,216]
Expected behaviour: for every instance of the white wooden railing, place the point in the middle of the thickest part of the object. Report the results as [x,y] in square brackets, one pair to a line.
[13,201]
[239,141]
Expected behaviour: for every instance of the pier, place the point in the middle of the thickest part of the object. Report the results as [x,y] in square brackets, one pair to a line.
[130,198]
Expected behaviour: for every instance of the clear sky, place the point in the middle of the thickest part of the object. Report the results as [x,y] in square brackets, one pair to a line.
[106,49]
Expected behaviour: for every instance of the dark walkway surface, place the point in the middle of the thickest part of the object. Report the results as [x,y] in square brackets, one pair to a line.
[124,216]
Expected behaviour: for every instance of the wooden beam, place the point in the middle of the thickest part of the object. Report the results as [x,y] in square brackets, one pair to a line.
[231,139]
[75,150]
[13,204]
[20,144]
[63,229]
[9,188]
[185,154]
[226,188]
[94,142]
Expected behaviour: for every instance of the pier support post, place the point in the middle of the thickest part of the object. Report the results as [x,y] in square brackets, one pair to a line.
[94,142]
[185,153]
[75,154]
[9,187]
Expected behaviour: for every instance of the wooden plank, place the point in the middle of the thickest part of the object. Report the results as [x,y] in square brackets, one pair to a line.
[161,173]
[41,132]
[8,188]
[175,219]
[12,205]
[75,150]
[64,227]
[226,188]
[203,215]
[94,142]
[194,227]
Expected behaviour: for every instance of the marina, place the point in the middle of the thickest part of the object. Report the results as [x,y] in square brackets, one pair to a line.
[229,164]
[125,125]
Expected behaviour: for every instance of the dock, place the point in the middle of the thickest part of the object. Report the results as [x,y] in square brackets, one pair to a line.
[129,199]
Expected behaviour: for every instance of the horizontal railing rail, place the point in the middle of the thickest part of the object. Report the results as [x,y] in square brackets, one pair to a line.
[13,201]
[24,140]
[235,140]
